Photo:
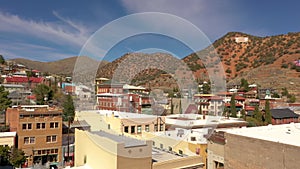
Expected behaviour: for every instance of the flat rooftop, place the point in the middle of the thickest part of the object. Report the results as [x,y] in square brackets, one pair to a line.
[285,133]
[197,120]
[199,135]
[125,115]
[128,142]
[8,134]
[160,155]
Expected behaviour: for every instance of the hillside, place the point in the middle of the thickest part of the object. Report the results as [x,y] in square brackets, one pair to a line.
[266,61]
[238,59]
[278,51]
[63,67]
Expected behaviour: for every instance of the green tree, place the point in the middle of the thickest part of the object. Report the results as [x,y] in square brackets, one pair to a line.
[172,106]
[2,60]
[4,100]
[4,155]
[43,93]
[258,115]
[243,113]
[206,88]
[17,157]
[232,106]
[244,84]
[268,113]
[291,98]
[226,112]
[284,92]
[68,108]
[180,107]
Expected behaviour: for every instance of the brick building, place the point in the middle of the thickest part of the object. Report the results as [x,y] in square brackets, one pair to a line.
[113,96]
[284,116]
[30,82]
[39,132]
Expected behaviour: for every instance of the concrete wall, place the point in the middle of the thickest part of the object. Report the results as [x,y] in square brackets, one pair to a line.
[248,153]
[178,163]
[215,153]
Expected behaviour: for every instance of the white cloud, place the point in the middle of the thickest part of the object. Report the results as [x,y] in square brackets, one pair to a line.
[63,34]
[67,33]
[214,18]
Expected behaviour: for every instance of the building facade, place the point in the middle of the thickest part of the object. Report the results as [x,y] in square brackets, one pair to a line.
[99,149]
[8,139]
[39,132]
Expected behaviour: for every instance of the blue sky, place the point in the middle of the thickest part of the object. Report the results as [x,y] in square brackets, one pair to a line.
[53,30]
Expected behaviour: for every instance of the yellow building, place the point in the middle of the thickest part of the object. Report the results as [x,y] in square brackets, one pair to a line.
[100,149]
[122,122]
[170,150]
[7,139]
[185,143]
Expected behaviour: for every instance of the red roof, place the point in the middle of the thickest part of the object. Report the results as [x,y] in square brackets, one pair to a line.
[236,105]
[237,97]
[32,97]
[24,79]
[215,98]
[249,108]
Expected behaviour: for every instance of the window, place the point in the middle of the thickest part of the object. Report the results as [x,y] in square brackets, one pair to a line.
[26,140]
[139,129]
[29,140]
[126,129]
[193,138]
[24,126]
[161,146]
[132,129]
[170,148]
[54,125]
[54,139]
[108,126]
[21,116]
[180,152]
[40,125]
[161,127]
[51,139]
[32,140]
[48,139]
[27,126]
[155,127]
[147,128]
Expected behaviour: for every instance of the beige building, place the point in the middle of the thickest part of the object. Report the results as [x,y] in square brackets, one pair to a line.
[183,143]
[122,122]
[100,149]
[169,149]
[7,139]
